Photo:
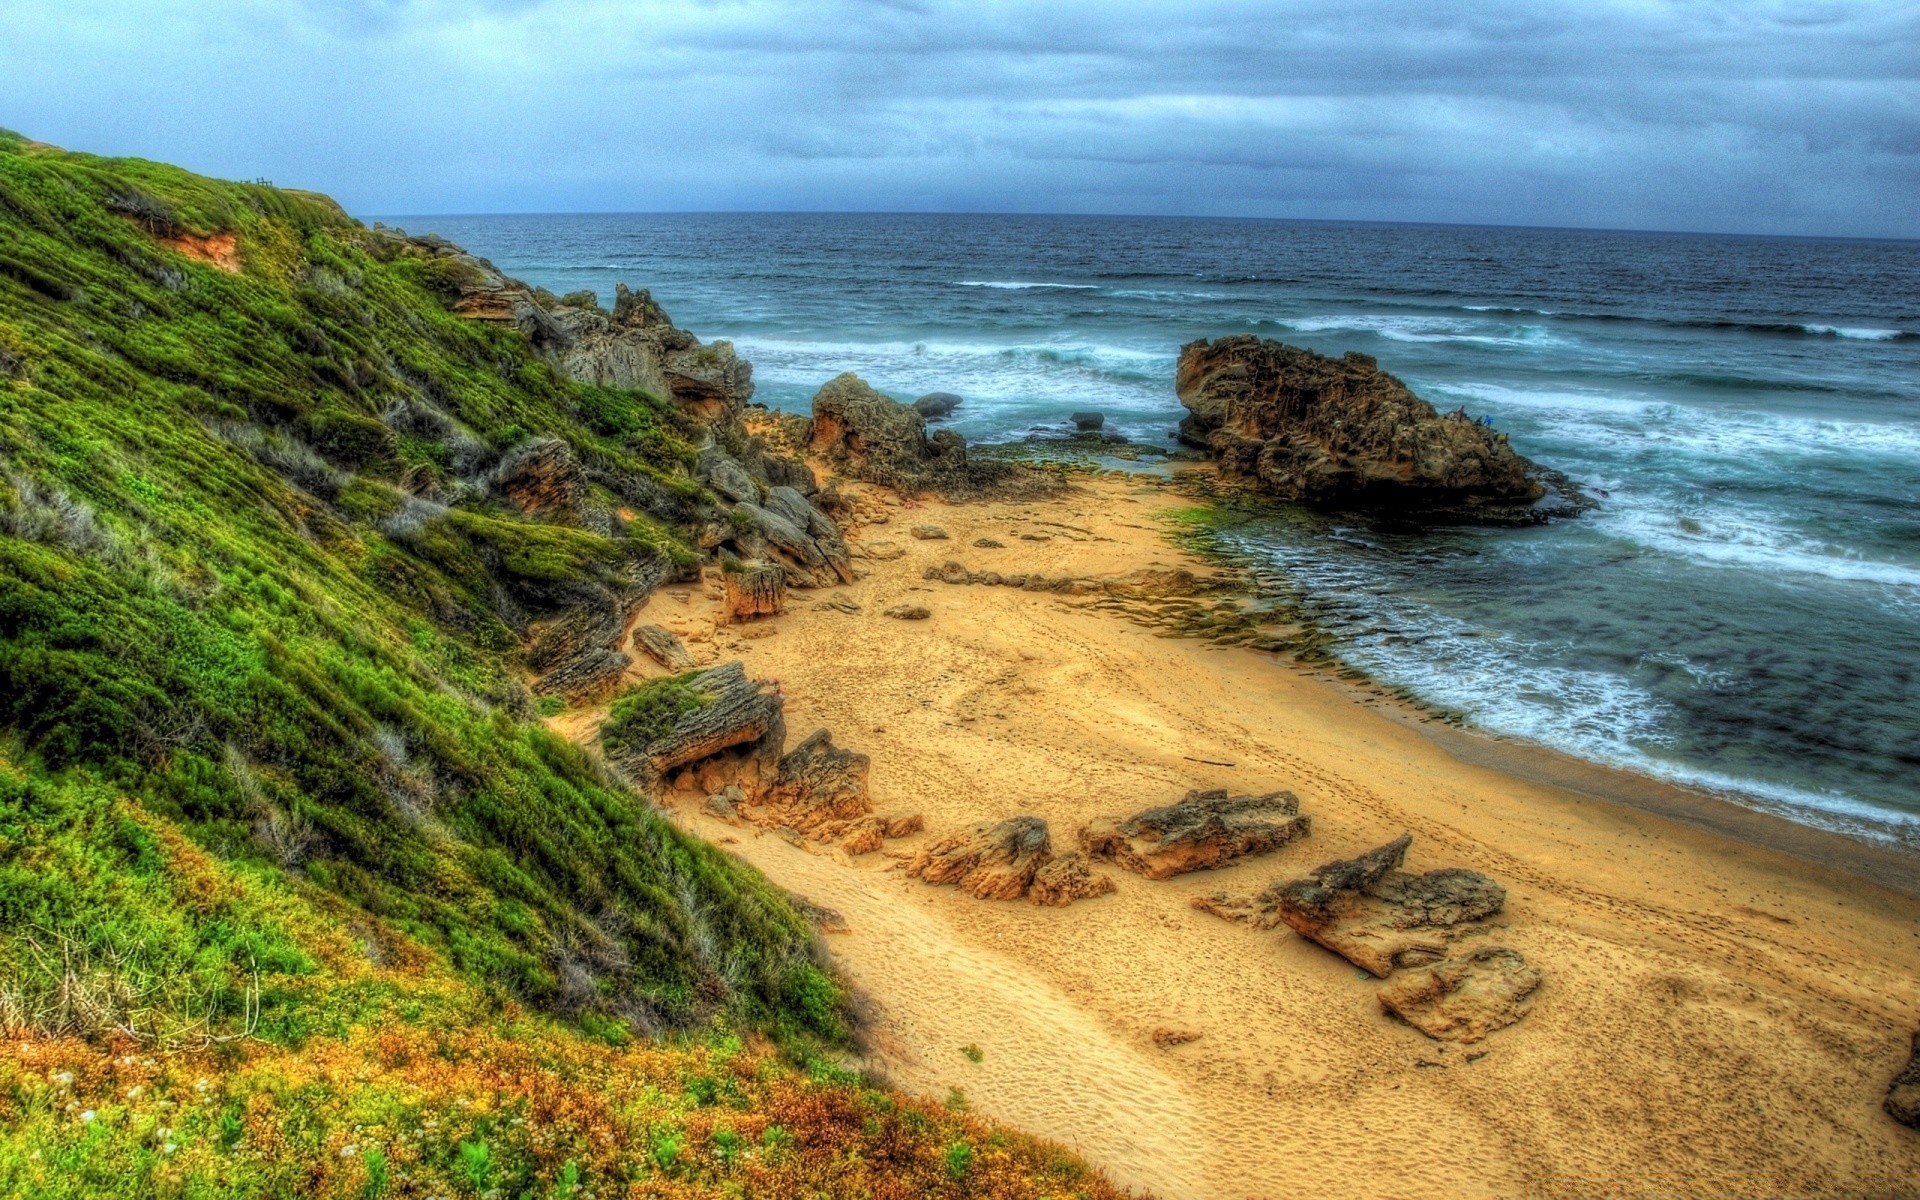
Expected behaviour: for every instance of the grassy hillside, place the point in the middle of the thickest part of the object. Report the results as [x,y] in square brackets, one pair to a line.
[296,894]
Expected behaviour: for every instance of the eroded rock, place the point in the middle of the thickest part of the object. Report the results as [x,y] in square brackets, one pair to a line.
[1205,829]
[662,646]
[874,437]
[1379,917]
[752,589]
[1464,999]
[1065,879]
[1342,433]
[993,860]
[935,405]
[909,612]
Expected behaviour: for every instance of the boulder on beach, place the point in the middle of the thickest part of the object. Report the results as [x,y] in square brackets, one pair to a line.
[935,405]
[1008,860]
[1379,917]
[1342,433]
[1205,829]
[1464,999]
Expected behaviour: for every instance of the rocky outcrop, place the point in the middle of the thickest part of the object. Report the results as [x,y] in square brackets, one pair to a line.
[1204,830]
[1342,433]
[1464,999]
[1379,917]
[638,346]
[474,288]
[1006,860]
[1903,1094]
[542,477]
[775,521]
[695,719]
[577,653]
[866,435]
[752,589]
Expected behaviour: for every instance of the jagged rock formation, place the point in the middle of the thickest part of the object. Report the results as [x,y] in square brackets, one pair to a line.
[638,346]
[1464,999]
[542,477]
[870,436]
[753,589]
[1903,1094]
[1005,860]
[1377,916]
[577,654]
[1066,879]
[1343,433]
[1204,830]
[662,646]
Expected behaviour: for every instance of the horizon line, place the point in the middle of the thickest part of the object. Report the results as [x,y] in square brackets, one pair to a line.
[827,212]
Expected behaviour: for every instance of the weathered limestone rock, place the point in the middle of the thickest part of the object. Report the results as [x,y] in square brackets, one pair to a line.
[541,476]
[662,646]
[1343,433]
[874,437]
[957,573]
[1464,999]
[1066,879]
[735,713]
[1204,830]
[753,589]
[909,612]
[816,784]
[576,654]
[992,860]
[638,346]
[1903,1094]
[1379,917]
[929,533]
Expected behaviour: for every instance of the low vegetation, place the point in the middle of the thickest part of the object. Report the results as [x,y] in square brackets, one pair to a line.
[297,894]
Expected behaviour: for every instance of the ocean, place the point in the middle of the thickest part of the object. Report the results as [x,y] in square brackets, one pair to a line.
[1740,613]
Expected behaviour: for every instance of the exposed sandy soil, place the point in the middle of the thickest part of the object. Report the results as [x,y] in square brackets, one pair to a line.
[1717,1019]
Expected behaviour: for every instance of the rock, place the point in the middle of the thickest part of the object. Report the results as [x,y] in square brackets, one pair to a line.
[721,472]
[935,405]
[882,551]
[820,916]
[816,785]
[909,612]
[1464,999]
[662,646]
[1204,830]
[1343,433]
[987,543]
[840,602]
[992,860]
[542,477]
[726,804]
[1066,879]
[753,589]
[638,346]
[1903,1094]
[734,713]
[1379,917]
[810,561]
[874,437]
[930,533]
[1166,1038]
[1036,537]
[577,655]
[1088,422]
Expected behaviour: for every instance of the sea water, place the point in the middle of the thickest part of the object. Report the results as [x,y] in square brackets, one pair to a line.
[1741,612]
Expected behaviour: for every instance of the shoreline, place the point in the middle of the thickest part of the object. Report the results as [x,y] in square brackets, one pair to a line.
[1716,1012]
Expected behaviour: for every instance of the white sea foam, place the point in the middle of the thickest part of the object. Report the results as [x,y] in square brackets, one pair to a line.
[1406,328]
[1866,335]
[1726,536]
[1020,286]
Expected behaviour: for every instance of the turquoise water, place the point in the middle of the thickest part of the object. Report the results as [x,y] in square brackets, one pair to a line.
[1742,610]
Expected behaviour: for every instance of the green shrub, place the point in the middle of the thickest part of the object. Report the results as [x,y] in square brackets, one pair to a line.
[646,712]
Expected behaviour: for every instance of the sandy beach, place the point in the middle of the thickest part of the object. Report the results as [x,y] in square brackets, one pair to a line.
[1720,1017]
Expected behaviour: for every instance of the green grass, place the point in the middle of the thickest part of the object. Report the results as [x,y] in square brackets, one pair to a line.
[252,579]
[646,711]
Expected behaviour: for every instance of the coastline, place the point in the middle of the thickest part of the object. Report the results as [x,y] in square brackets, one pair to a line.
[1698,972]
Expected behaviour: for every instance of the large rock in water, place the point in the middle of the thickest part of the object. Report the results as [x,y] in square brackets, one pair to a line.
[1340,432]
[867,435]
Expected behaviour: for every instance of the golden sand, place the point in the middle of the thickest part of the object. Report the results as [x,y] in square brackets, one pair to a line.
[1718,1018]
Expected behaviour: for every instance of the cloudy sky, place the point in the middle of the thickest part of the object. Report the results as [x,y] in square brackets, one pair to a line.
[1738,116]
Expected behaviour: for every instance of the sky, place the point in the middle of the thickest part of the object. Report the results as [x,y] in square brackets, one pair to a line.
[1749,117]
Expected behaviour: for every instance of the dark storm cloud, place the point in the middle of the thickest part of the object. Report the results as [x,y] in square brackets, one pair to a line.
[1800,118]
